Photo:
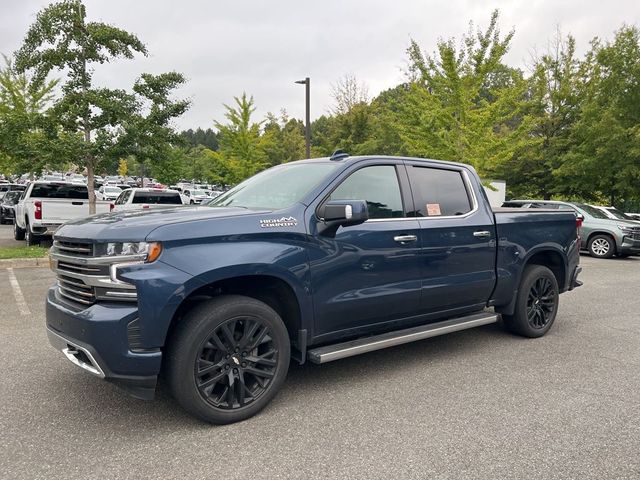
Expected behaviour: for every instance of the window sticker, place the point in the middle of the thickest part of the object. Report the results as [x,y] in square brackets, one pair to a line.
[433,209]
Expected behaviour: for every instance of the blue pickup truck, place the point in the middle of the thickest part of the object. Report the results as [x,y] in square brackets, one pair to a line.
[313,260]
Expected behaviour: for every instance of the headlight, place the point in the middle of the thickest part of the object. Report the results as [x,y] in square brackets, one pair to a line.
[143,251]
[625,229]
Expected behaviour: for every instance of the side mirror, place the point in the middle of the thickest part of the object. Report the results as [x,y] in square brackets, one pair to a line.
[340,213]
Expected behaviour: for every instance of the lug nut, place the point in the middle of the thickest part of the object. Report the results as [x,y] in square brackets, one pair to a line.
[244,364]
[226,367]
[244,354]
[237,349]
[235,370]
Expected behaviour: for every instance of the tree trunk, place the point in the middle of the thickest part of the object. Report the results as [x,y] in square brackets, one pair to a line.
[90,189]
[90,169]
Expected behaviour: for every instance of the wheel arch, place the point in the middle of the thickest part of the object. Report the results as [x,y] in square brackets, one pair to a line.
[550,256]
[270,288]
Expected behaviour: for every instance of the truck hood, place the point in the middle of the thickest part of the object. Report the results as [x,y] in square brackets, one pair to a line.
[136,225]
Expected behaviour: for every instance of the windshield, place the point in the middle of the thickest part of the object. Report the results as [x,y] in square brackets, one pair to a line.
[199,193]
[592,211]
[619,215]
[276,188]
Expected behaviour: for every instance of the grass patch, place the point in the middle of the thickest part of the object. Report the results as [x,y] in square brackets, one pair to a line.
[22,252]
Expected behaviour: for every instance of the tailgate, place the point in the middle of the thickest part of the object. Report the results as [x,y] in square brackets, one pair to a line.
[62,210]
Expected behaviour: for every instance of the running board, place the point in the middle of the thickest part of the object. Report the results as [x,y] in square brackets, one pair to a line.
[337,351]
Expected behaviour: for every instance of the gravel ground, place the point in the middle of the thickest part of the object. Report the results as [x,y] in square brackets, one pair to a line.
[474,404]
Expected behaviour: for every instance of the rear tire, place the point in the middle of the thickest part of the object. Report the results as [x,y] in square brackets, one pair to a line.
[18,233]
[30,238]
[536,303]
[228,358]
[601,246]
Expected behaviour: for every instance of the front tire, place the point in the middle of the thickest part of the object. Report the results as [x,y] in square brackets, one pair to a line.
[536,303]
[228,358]
[602,246]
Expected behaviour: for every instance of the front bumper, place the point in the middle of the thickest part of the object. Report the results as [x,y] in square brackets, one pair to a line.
[629,246]
[95,339]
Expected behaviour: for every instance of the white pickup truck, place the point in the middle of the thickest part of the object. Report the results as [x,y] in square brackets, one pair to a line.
[44,206]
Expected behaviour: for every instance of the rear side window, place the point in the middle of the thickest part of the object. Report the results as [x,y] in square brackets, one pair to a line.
[159,198]
[438,192]
[378,186]
[56,190]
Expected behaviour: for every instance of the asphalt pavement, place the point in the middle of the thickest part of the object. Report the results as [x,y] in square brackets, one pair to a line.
[6,237]
[475,404]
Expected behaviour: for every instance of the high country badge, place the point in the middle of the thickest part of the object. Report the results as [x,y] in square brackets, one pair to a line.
[278,222]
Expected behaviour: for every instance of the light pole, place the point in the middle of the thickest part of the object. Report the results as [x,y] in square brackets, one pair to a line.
[307,125]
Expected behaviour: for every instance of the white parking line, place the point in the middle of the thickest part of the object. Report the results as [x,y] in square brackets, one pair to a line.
[17,293]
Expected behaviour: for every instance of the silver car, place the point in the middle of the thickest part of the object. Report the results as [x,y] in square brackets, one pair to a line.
[601,236]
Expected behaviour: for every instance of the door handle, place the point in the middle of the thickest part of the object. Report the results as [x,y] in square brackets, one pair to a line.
[405,238]
[482,234]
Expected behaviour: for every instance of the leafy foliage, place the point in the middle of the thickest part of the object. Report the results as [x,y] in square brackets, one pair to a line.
[567,128]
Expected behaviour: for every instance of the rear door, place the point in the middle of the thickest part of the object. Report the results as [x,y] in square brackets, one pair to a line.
[369,273]
[457,237]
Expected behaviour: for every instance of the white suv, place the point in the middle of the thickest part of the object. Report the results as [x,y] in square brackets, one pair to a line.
[143,198]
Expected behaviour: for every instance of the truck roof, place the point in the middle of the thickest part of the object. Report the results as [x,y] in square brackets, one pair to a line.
[348,159]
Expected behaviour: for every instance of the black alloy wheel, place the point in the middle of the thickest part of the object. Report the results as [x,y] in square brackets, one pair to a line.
[536,303]
[236,364]
[227,358]
[540,303]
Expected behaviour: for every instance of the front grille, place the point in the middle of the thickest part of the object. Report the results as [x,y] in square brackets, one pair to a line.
[83,269]
[76,290]
[84,277]
[79,249]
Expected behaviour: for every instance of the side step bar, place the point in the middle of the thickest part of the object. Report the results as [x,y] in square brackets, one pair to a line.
[330,353]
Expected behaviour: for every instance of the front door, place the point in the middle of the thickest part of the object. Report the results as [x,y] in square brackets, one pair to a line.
[368,273]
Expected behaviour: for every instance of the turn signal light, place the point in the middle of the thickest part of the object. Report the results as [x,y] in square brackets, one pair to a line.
[155,249]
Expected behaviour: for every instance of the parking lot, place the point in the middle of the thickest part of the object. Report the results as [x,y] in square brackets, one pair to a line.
[474,404]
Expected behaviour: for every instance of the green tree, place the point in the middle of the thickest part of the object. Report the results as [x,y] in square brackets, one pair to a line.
[282,139]
[62,39]
[463,103]
[605,158]
[25,125]
[549,114]
[147,132]
[207,138]
[240,152]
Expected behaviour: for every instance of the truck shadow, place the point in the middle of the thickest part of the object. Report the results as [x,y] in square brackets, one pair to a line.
[96,402]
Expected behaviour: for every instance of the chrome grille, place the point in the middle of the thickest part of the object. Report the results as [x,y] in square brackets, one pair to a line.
[83,278]
[76,290]
[84,269]
[74,248]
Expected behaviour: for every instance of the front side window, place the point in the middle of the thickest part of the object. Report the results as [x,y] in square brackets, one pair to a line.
[378,186]
[438,192]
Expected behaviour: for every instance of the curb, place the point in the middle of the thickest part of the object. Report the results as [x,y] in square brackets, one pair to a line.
[42,262]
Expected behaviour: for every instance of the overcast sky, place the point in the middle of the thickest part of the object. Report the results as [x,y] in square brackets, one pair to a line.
[262,47]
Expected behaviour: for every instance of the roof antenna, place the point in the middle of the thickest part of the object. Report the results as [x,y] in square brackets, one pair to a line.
[338,155]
